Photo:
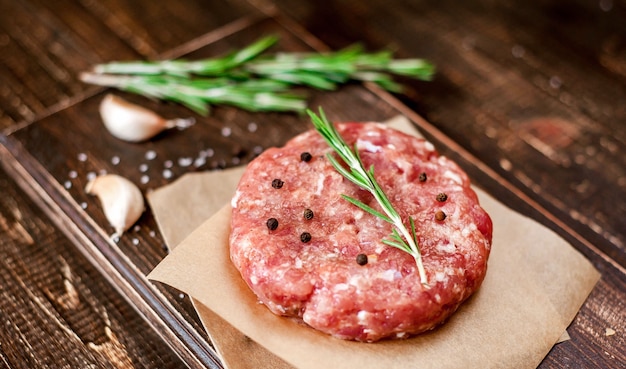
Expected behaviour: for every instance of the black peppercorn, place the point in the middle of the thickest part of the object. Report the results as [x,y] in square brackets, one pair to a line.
[305,237]
[361,259]
[277,183]
[440,215]
[308,214]
[306,156]
[422,177]
[272,224]
[442,197]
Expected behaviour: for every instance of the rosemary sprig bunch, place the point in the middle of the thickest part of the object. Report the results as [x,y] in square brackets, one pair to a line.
[255,81]
[198,94]
[401,237]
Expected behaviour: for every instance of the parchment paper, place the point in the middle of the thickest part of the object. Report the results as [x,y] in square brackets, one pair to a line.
[535,285]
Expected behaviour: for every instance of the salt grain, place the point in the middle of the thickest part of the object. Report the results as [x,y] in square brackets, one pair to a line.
[144,179]
[143,167]
[151,155]
[135,241]
[82,157]
[185,162]
[518,51]
[152,233]
[168,164]
[73,174]
[181,296]
[555,82]
[83,205]
[91,176]
[252,127]
[200,161]
[257,149]
[136,228]
[167,174]
[226,131]
[115,160]
[67,185]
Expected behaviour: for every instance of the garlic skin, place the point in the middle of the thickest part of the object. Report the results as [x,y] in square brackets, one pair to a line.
[134,123]
[121,200]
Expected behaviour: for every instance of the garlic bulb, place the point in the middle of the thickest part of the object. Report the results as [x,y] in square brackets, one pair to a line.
[121,200]
[134,123]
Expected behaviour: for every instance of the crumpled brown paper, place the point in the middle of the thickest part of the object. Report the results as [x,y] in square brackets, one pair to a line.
[535,285]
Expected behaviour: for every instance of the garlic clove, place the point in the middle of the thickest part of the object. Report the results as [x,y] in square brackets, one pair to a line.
[121,200]
[134,123]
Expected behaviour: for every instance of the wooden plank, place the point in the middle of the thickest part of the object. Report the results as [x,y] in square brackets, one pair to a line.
[65,148]
[510,96]
[45,45]
[55,307]
[62,151]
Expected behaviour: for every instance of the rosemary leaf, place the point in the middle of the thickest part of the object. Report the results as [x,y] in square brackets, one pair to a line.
[236,77]
[401,237]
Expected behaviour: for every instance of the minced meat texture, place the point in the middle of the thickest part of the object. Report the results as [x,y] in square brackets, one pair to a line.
[320,281]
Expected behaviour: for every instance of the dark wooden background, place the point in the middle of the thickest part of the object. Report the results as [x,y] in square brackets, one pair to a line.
[530,98]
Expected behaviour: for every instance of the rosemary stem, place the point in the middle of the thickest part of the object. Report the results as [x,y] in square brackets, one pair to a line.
[357,174]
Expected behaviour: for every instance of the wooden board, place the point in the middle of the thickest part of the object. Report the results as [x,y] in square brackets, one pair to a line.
[527,99]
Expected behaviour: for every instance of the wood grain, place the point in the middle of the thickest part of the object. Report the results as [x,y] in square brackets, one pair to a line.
[55,308]
[512,96]
[528,99]
[46,44]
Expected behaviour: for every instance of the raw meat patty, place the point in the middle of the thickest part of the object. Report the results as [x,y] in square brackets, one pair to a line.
[303,263]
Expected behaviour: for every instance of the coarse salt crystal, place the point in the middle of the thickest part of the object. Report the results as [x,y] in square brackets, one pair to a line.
[185,162]
[200,161]
[151,155]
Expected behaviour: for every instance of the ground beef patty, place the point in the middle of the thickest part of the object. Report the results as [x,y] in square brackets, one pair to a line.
[296,241]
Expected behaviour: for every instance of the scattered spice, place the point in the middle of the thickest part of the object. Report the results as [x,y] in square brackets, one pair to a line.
[308,214]
[272,224]
[361,259]
[422,177]
[305,237]
[306,156]
[440,215]
[277,183]
[442,197]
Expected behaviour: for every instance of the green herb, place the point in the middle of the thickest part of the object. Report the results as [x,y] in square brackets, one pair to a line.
[255,81]
[198,94]
[401,237]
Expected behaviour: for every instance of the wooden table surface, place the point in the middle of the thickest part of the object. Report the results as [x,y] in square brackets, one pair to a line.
[529,98]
